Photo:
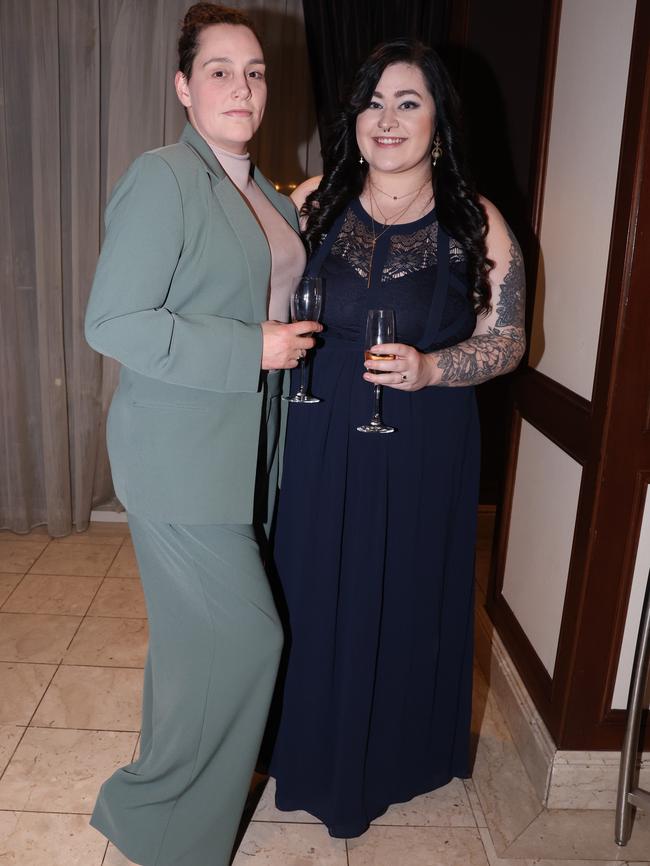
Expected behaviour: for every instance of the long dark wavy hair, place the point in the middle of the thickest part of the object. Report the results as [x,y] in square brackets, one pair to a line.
[457,204]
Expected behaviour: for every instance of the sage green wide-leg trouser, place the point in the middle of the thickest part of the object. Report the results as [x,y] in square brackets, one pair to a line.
[215,643]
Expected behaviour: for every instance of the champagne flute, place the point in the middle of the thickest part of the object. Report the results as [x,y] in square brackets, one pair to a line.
[306,303]
[380,328]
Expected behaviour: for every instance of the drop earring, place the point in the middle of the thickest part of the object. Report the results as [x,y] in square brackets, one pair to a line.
[436,151]
[360,160]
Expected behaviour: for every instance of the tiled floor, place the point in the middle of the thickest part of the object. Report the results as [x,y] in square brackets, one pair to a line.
[73,637]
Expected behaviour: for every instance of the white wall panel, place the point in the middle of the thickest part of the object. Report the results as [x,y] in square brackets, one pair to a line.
[542,523]
[585,136]
[639,582]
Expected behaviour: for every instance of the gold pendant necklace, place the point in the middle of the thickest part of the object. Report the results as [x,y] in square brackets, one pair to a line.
[387,224]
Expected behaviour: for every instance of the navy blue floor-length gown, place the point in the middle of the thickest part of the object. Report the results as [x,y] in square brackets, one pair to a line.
[375,542]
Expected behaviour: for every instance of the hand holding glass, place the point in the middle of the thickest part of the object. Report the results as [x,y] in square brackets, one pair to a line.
[380,328]
[306,304]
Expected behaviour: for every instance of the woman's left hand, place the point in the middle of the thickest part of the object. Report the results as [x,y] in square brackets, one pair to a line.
[409,371]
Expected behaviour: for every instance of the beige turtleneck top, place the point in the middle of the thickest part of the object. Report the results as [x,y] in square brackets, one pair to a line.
[287,252]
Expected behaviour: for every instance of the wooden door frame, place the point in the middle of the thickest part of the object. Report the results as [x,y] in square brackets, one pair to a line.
[608,436]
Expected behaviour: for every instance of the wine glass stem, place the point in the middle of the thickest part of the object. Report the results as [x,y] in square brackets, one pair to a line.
[376,414]
[301,364]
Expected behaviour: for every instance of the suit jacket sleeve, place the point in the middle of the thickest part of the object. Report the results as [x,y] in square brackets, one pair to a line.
[127,317]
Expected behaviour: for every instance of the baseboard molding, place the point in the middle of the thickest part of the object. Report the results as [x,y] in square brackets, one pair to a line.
[100,516]
[531,737]
[561,779]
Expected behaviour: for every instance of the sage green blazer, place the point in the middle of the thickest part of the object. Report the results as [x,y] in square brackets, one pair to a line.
[179,293]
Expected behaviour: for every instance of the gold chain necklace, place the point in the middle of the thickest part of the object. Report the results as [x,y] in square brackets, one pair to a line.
[387,224]
[390,195]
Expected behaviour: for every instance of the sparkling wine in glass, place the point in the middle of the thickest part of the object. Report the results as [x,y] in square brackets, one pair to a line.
[380,328]
[306,304]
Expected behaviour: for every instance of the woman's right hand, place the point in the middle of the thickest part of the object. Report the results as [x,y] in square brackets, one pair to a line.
[285,344]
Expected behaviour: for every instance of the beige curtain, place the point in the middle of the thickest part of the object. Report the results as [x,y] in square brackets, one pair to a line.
[85,86]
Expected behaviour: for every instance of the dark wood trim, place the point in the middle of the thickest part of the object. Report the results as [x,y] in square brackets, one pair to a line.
[537,679]
[615,511]
[609,437]
[545,100]
[561,415]
[530,245]
[502,523]
[641,496]
[532,671]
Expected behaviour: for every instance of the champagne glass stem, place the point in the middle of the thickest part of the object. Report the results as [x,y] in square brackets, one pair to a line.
[376,413]
[301,364]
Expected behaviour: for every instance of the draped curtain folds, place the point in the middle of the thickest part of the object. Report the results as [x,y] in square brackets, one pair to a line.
[85,86]
[341,34]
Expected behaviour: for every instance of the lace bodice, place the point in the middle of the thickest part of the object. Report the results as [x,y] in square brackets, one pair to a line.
[404,275]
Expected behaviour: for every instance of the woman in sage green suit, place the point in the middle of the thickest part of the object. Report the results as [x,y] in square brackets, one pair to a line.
[193,258]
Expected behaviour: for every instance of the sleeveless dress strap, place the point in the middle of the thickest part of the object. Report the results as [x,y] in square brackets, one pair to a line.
[439,293]
[315,262]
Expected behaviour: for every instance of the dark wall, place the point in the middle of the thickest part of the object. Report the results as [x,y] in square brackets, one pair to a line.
[497,59]
[341,34]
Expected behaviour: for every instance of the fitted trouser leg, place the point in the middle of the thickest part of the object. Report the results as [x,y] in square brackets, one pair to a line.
[215,643]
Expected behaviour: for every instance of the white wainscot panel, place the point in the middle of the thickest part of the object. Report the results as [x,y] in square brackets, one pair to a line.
[639,583]
[584,146]
[542,524]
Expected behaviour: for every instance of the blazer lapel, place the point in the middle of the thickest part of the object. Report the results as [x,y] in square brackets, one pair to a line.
[280,202]
[253,240]
[254,245]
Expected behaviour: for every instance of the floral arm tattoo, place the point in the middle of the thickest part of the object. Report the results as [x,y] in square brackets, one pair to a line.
[499,351]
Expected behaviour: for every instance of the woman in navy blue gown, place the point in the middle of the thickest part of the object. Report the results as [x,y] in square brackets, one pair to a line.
[375,534]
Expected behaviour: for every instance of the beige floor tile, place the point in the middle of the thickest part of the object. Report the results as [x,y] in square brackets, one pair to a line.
[479,816]
[120,596]
[9,738]
[579,834]
[125,564]
[53,593]
[17,557]
[8,582]
[114,857]
[417,846]
[82,560]
[271,844]
[446,807]
[266,810]
[494,860]
[90,698]
[61,771]
[505,792]
[35,637]
[22,686]
[36,839]
[109,642]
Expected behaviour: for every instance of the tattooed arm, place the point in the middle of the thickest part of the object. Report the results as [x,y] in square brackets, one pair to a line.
[498,341]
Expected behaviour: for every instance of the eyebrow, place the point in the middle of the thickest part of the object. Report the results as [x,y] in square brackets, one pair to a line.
[399,93]
[256,61]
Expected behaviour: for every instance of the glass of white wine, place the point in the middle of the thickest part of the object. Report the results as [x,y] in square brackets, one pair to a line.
[380,328]
[306,305]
